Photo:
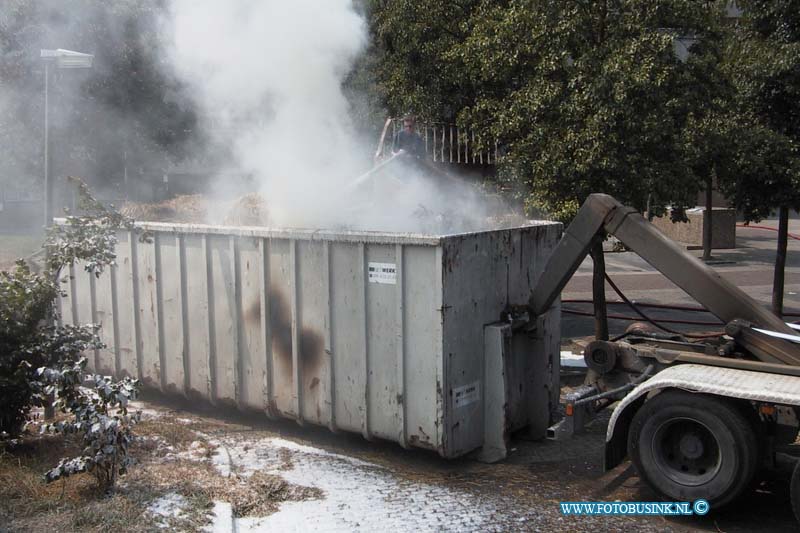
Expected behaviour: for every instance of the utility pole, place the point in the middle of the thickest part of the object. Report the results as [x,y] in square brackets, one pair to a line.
[60,59]
[599,292]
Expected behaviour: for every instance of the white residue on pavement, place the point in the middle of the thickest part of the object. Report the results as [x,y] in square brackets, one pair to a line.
[170,505]
[357,495]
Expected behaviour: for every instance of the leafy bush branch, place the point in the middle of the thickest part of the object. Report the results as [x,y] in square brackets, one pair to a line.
[101,416]
[89,237]
[41,362]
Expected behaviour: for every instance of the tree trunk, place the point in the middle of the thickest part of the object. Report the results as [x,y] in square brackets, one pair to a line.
[780,261]
[707,221]
[599,292]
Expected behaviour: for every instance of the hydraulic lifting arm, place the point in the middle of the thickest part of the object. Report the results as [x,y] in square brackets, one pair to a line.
[602,214]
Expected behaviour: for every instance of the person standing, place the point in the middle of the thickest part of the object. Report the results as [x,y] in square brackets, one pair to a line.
[408,140]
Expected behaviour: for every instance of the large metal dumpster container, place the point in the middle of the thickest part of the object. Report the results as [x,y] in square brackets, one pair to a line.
[381,334]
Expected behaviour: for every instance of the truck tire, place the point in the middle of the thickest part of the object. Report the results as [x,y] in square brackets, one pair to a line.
[691,446]
[794,491]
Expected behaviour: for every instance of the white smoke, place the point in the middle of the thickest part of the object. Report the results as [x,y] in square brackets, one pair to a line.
[268,76]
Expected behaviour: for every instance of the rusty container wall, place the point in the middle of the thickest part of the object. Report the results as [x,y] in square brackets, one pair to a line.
[380,334]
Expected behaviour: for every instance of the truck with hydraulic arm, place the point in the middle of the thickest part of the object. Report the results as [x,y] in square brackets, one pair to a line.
[699,418]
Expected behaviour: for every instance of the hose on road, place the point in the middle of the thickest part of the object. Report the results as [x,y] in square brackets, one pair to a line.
[791,235]
[644,316]
[635,319]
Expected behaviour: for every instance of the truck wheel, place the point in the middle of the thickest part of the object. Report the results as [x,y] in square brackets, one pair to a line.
[794,491]
[690,446]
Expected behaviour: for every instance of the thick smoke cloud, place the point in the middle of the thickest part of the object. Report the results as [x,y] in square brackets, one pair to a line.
[268,76]
[124,118]
[248,91]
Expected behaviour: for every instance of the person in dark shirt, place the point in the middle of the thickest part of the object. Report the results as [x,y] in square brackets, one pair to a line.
[409,140]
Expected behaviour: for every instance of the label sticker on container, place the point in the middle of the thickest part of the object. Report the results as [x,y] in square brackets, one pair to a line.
[467,394]
[383,273]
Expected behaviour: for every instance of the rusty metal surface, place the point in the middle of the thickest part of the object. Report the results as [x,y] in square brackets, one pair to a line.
[372,333]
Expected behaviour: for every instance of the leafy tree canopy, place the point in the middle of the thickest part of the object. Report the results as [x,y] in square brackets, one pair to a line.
[584,96]
[762,59]
[412,40]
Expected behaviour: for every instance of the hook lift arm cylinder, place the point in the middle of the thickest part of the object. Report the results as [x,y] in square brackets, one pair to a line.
[601,214]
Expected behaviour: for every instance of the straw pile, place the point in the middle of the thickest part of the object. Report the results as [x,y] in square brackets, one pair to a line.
[185,208]
[248,210]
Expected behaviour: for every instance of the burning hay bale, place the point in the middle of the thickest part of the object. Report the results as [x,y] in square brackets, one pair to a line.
[249,210]
[186,208]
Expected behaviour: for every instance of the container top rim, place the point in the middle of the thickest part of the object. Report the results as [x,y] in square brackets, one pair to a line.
[319,235]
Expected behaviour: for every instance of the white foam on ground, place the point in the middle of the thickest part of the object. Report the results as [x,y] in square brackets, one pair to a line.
[251,456]
[170,505]
[146,412]
[221,519]
[357,495]
[296,447]
[197,452]
[221,458]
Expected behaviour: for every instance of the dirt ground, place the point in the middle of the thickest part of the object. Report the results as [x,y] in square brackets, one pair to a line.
[277,476]
[174,484]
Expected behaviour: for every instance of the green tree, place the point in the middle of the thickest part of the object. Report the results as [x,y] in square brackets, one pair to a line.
[594,97]
[412,40]
[584,96]
[762,60]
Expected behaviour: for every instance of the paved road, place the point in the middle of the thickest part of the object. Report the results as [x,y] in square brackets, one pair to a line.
[749,266]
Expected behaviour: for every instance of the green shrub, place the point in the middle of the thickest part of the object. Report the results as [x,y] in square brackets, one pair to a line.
[41,363]
[26,299]
[100,415]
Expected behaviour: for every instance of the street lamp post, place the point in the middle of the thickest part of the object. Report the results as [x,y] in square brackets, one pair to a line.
[62,59]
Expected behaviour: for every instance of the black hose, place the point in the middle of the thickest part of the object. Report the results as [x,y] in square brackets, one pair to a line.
[650,320]
[613,392]
[634,319]
[620,337]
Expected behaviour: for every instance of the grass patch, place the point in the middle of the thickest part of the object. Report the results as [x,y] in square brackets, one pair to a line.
[27,503]
[173,458]
[170,429]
